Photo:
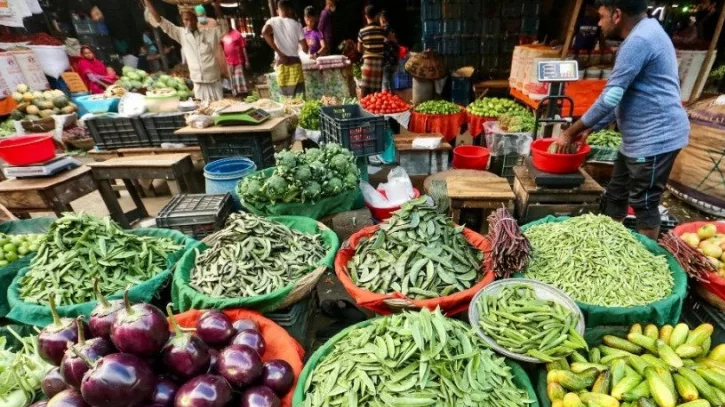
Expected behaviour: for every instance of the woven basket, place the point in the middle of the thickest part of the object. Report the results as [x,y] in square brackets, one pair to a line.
[38,126]
[709,297]
[85,144]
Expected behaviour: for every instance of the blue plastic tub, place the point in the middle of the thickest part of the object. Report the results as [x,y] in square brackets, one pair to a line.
[223,175]
[107,105]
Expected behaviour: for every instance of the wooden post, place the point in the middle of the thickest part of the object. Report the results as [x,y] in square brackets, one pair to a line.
[571,28]
[706,64]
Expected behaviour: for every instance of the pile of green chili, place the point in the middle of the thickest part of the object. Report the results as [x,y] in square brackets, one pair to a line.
[597,261]
[412,360]
[81,248]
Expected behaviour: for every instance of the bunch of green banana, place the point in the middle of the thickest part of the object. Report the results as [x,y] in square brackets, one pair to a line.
[650,367]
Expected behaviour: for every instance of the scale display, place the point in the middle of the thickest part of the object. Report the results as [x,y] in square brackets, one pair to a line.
[558,71]
[241,116]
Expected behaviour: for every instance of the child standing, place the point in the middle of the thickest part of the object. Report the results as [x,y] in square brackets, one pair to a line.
[315,40]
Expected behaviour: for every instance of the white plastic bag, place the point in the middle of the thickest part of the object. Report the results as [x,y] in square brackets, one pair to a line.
[372,197]
[399,188]
[52,58]
[132,105]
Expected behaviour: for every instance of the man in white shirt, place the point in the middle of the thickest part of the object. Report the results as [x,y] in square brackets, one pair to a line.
[284,35]
[199,48]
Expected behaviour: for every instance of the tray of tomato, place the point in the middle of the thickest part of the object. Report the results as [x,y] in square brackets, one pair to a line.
[384,103]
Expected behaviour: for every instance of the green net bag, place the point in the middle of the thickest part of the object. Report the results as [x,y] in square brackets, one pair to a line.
[8,273]
[600,153]
[39,315]
[185,297]
[520,378]
[345,201]
[662,312]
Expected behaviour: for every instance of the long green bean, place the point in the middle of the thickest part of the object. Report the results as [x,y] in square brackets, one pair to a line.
[597,261]
[412,360]
[521,322]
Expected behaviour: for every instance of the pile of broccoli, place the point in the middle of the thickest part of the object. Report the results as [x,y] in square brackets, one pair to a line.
[304,176]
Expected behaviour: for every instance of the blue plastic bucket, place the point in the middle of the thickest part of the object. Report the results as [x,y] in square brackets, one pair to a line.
[223,175]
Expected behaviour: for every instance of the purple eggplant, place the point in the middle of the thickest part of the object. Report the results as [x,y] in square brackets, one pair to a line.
[67,398]
[164,393]
[251,338]
[103,315]
[240,365]
[259,396]
[53,383]
[213,361]
[244,324]
[119,380]
[72,367]
[204,391]
[215,328]
[41,403]
[139,329]
[278,376]
[53,339]
[185,355]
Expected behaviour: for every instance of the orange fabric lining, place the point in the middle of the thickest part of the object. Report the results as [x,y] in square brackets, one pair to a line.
[449,125]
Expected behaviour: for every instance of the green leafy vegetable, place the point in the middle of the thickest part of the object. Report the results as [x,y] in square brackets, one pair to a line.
[310,115]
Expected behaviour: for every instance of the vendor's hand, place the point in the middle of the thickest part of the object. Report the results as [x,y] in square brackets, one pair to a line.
[583,136]
[564,141]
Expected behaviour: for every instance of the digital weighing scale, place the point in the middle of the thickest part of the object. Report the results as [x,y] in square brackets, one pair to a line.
[241,114]
[45,169]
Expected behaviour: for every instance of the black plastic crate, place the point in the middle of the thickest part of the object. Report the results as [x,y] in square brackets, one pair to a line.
[161,127]
[503,165]
[110,133]
[196,215]
[353,128]
[258,147]
[695,312]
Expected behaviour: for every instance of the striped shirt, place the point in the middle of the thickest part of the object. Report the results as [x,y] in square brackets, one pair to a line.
[372,38]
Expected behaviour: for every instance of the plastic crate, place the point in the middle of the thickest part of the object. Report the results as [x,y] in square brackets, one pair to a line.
[90,27]
[461,90]
[432,27]
[295,319]
[402,80]
[353,128]
[258,147]
[431,10]
[696,312]
[110,133]
[196,215]
[503,166]
[161,127]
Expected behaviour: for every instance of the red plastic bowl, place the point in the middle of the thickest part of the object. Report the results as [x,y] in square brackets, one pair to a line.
[470,157]
[27,149]
[557,163]
[380,214]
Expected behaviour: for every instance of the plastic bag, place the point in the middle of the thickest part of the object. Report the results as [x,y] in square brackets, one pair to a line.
[132,105]
[502,143]
[427,143]
[304,134]
[398,189]
[372,196]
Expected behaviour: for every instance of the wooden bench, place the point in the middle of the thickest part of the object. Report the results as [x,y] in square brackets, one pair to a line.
[25,195]
[176,169]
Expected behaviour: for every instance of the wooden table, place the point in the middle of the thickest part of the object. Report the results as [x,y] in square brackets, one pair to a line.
[533,202]
[176,169]
[24,195]
[485,194]
[417,161]
[254,142]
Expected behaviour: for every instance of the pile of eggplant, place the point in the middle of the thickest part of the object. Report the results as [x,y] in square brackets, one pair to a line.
[126,356]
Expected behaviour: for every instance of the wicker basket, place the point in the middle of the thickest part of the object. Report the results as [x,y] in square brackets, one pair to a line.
[85,144]
[39,126]
[709,297]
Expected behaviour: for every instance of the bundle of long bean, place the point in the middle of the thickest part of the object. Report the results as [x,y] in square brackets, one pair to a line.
[81,248]
[521,322]
[254,256]
[412,360]
[417,252]
[692,261]
[510,250]
[597,261]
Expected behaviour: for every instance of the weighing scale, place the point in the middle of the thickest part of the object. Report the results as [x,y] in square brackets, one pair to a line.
[241,114]
[556,74]
[48,168]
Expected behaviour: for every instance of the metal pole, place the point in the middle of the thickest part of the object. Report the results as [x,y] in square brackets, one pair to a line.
[707,64]
[571,28]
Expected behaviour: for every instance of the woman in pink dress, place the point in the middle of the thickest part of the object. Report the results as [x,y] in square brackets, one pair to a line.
[93,72]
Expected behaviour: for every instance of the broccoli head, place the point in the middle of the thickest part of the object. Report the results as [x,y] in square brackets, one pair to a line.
[311,191]
[351,180]
[250,188]
[303,173]
[333,149]
[339,163]
[334,186]
[276,187]
[318,168]
[312,155]
[286,159]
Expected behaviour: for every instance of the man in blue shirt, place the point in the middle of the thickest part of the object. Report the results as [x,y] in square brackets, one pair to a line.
[643,95]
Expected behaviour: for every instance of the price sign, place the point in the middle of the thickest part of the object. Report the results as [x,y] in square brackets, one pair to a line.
[558,71]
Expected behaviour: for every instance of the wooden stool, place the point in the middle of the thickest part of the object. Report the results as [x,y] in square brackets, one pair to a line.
[483,193]
[174,168]
[24,195]
[534,203]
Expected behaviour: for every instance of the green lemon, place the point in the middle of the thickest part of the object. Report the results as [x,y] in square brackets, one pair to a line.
[11,256]
[4,263]
[9,247]
[23,250]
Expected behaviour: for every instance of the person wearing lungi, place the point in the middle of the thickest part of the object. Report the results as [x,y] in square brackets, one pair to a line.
[284,35]
[371,43]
